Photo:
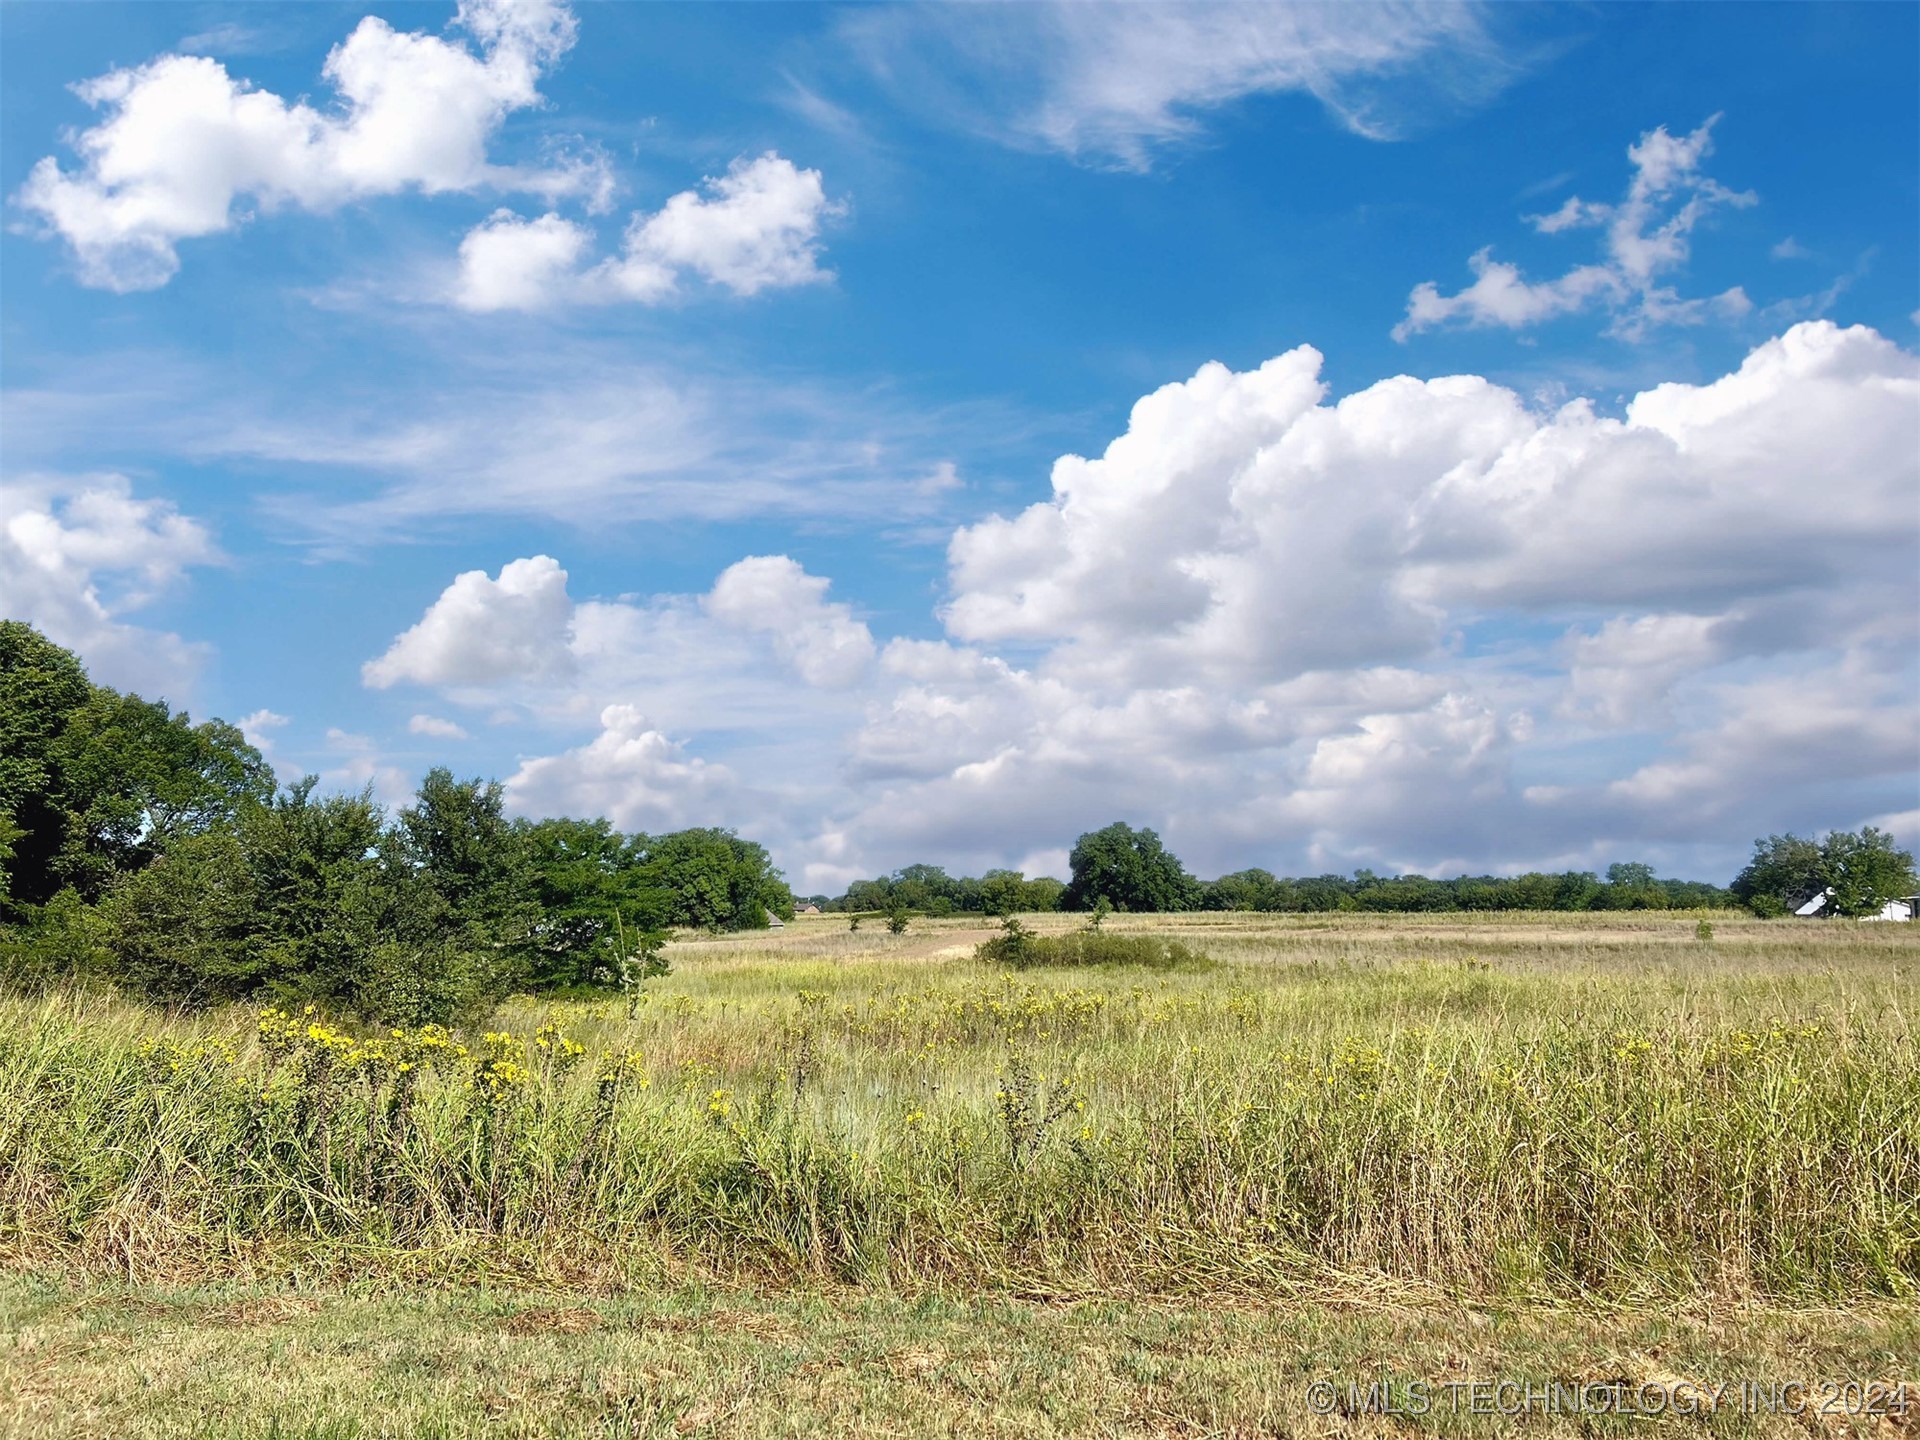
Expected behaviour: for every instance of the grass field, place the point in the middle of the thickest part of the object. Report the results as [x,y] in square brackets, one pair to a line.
[833,1182]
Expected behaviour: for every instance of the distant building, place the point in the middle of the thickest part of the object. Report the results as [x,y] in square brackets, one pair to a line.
[1903,908]
[806,909]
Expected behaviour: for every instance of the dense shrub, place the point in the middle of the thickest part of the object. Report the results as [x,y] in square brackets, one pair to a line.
[1022,949]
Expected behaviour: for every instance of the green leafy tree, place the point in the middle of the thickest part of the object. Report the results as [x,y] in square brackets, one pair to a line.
[1785,872]
[464,916]
[67,939]
[466,861]
[1001,892]
[1866,870]
[99,784]
[41,686]
[1243,890]
[10,837]
[714,880]
[323,901]
[187,927]
[1631,886]
[591,893]
[1131,869]
[1042,894]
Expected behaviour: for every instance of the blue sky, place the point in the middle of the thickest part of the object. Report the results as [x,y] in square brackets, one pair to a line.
[658,407]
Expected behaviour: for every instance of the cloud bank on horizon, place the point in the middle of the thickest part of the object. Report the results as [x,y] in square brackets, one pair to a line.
[1587,598]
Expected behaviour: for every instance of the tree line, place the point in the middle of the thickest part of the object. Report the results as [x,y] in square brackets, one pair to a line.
[1128,869]
[139,847]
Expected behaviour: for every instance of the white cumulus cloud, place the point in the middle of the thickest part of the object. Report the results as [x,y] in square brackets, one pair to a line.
[509,263]
[631,773]
[1271,622]
[184,147]
[1646,235]
[755,228]
[774,596]
[485,630]
[1423,625]
[78,554]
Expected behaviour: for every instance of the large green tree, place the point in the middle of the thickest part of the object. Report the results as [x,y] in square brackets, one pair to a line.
[322,898]
[466,860]
[96,784]
[712,879]
[1129,869]
[594,901]
[41,686]
[1864,869]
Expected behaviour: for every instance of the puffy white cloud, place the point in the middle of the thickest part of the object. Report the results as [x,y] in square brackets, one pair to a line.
[514,264]
[631,773]
[519,650]
[756,228]
[433,725]
[1646,235]
[1243,528]
[1620,675]
[482,631]
[1421,626]
[774,596]
[184,145]
[1281,627]
[1112,84]
[77,554]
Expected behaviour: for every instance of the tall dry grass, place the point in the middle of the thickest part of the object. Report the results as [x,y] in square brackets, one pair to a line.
[1528,1108]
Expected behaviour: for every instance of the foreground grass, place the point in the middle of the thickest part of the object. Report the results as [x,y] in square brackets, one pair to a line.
[1567,1108]
[225,1360]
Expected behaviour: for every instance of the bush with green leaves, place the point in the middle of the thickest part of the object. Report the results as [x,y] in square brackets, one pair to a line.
[1021,949]
[143,850]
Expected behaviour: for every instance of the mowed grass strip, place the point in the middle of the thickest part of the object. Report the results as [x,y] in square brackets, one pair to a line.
[1566,1108]
[216,1361]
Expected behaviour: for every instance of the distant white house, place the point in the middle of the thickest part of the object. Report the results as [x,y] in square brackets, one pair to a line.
[1905,908]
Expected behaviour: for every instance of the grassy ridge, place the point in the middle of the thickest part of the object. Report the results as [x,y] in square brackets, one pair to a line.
[1612,1110]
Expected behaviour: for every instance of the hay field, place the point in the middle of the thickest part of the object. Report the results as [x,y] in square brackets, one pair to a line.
[1542,1142]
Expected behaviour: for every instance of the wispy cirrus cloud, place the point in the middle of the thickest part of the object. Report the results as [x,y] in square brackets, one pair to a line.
[563,429]
[1116,85]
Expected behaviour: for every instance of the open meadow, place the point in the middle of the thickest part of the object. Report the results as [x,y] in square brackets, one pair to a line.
[816,1181]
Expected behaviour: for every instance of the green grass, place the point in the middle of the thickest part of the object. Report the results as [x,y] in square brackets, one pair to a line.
[1549,1107]
[227,1360]
[853,1183]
